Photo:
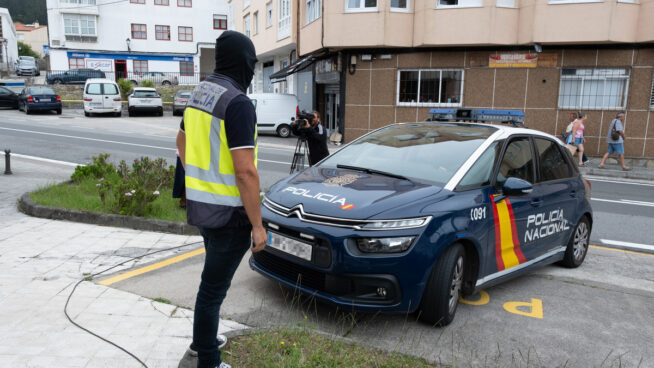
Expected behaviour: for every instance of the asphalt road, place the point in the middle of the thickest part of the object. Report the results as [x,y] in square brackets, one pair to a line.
[599,315]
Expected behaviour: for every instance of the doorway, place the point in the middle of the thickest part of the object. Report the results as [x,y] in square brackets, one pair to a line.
[121,69]
[332,108]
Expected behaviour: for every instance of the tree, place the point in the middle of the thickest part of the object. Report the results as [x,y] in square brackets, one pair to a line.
[25,50]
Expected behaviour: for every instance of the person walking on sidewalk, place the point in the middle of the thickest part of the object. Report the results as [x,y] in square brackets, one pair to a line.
[578,136]
[569,138]
[616,145]
[217,144]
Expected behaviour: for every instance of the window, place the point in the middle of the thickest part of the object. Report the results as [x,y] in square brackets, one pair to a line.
[74,63]
[255,22]
[161,2]
[137,1]
[140,66]
[184,3]
[506,3]
[185,33]
[313,10]
[186,68]
[79,25]
[246,25]
[402,5]
[110,89]
[593,88]
[551,164]
[269,15]
[479,174]
[284,19]
[94,89]
[162,33]
[432,87]
[458,3]
[88,2]
[139,32]
[516,163]
[360,5]
[219,21]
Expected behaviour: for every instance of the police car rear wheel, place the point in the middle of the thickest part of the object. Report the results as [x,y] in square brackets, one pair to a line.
[577,248]
[441,296]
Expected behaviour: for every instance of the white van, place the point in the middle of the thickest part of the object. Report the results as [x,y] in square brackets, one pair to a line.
[275,112]
[102,96]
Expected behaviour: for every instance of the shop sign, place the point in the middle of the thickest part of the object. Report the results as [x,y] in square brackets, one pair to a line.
[100,64]
[513,60]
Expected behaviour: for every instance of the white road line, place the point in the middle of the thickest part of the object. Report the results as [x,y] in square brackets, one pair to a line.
[66,163]
[628,245]
[90,139]
[622,182]
[624,201]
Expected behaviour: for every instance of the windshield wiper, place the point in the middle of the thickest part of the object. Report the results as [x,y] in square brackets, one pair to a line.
[372,171]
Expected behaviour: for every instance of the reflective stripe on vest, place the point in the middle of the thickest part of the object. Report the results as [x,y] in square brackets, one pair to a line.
[210,176]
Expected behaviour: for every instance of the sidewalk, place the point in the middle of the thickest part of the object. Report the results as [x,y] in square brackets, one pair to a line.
[641,169]
[41,260]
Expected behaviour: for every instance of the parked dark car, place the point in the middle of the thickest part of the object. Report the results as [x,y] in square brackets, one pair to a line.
[39,99]
[8,98]
[180,101]
[74,76]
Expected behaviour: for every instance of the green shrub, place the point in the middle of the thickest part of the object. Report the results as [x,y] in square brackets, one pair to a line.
[98,169]
[147,83]
[125,86]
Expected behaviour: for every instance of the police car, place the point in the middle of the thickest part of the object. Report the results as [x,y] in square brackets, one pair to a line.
[412,216]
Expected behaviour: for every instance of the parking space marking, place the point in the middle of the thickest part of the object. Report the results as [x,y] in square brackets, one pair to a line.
[625,201]
[535,308]
[152,267]
[621,250]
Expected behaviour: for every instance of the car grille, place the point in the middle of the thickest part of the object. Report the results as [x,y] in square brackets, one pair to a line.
[290,271]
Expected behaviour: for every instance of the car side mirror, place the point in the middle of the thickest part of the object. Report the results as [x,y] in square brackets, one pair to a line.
[516,186]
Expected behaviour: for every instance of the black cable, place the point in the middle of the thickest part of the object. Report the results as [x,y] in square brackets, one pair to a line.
[101,272]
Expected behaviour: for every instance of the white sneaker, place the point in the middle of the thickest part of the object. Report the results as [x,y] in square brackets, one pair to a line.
[222,341]
[224,365]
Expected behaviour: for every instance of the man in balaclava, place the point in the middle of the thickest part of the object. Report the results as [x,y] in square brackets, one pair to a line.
[217,145]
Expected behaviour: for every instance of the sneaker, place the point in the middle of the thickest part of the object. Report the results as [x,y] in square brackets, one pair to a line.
[222,341]
[190,358]
[626,168]
[224,365]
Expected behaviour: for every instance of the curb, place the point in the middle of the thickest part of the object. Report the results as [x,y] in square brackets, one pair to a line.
[634,174]
[27,206]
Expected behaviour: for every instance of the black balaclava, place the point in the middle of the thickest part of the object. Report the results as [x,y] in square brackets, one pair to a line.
[235,58]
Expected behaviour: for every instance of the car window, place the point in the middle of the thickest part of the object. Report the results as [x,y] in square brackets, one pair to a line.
[150,94]
[4,91]
[94,89]
[517,162]
[551,164]
[110,89]
[424,152]
[254,102]
[479,174]
[42,91]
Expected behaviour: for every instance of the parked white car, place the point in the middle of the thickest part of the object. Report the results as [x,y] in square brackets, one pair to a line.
[144,99]
[102,96]
[158,78]
[275,112]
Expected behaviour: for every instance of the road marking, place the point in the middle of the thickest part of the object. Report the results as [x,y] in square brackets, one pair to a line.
[44,160]
[622,182]
[90,139]
[628,245]
[152,267]
[625,201]
[621,250]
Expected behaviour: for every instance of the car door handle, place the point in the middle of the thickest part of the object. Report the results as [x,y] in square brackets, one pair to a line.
[573,193]
[536,202]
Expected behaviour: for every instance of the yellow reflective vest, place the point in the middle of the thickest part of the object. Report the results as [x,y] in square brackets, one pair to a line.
[211,191]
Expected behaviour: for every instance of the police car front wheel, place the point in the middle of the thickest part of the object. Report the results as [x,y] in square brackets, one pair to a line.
[577,248]
[441,296]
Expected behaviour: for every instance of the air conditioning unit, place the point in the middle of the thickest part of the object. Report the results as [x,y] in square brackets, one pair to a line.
[55,42]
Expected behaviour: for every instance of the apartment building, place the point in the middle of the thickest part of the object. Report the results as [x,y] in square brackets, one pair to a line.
[35,35]
[8,43]
[135,36]
[394,60]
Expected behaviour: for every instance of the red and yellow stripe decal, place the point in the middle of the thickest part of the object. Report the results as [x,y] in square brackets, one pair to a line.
[347,206]
[507,244]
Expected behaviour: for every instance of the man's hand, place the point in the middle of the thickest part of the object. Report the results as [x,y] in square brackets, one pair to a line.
[259,237]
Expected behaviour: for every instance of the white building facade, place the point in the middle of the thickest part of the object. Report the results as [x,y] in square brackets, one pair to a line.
[120,38]
[8,45]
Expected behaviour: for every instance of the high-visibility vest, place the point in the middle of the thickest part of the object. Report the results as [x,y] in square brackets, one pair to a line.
[211,191]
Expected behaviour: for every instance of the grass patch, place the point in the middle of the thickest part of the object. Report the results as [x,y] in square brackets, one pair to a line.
[162,300]
[300,348]
[84,196]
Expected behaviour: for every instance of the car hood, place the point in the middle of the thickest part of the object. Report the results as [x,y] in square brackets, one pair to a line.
[348,194]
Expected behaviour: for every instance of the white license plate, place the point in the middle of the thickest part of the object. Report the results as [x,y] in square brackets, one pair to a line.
[96,104]
[290,246]
[145,101]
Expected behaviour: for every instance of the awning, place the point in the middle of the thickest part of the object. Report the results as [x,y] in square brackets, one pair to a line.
[300,64]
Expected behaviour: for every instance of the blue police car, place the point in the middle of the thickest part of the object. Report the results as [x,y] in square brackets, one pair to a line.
[412,216]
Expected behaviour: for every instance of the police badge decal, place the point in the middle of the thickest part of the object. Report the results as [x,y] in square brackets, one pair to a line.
[339,181]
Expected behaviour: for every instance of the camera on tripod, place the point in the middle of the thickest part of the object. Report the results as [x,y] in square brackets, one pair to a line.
[302,123]
[300,127]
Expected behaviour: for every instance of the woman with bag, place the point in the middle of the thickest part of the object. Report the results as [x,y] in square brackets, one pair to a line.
[577,137]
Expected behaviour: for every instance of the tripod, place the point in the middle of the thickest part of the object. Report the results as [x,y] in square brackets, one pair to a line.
[301,155]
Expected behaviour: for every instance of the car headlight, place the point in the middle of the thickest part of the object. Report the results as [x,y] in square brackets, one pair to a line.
[385,245]
[397,224]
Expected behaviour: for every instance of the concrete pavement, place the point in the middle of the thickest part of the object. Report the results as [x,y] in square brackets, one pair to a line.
[40,262]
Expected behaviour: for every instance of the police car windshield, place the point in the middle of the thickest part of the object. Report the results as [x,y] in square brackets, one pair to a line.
[423,152]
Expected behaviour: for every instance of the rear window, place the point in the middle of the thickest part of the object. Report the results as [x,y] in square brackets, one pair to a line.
[144,94]
[41,91]
[184,94]
[94,89]
[423,152]
[110,89]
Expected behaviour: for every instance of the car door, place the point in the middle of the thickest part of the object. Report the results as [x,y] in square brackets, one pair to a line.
[555,187]
[7,98]
[93,98]
[510,213]
[110,95]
